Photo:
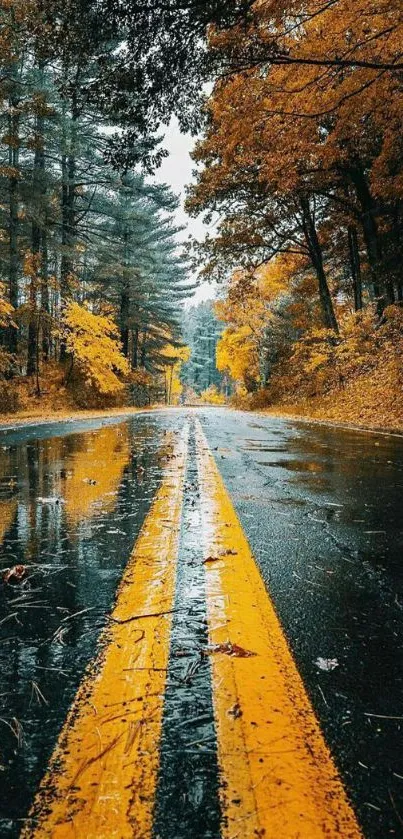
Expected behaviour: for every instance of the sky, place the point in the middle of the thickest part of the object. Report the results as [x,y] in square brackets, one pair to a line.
[176,170]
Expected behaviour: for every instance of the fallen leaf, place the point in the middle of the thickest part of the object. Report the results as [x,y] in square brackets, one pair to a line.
[228,649]
[221,555]
[235,711]
[14,575]
[326,664]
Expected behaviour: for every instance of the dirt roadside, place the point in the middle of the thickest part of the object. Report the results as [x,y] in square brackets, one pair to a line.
[20,419]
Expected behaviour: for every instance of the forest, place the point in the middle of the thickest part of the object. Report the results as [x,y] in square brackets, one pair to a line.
[302,160]
[296,109]
[93,273]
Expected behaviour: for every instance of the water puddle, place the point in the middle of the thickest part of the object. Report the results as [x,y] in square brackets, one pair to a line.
[294,465]
[71,507]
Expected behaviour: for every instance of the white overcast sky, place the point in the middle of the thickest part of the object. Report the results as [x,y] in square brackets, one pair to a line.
[176,170]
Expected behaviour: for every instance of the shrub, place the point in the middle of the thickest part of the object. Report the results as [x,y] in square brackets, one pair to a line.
[97,365]
[212,396]
[9,398]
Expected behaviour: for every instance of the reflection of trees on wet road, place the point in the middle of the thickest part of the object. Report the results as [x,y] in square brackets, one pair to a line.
[92,473]
[70,509]
[8,509]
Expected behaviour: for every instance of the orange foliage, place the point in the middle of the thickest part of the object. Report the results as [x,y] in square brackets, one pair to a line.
[302,158]
[6,310]
[321,360]
[356,377]
[277,113]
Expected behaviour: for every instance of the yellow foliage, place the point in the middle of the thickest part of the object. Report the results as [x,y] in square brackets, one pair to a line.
[172,353]
[8,398]
[6,310]
[357,350]
[237,354]
[249,310]
[92,341]
[212,396]
[175,357]
[274,278]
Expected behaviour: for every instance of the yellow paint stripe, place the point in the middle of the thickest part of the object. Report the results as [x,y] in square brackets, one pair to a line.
[279,779]
[102,778]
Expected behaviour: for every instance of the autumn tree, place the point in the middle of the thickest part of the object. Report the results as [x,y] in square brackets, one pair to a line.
[308,162]
[261,314]
[172,359]
[93,347]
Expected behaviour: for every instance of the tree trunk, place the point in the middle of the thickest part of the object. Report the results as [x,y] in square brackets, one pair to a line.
[171,376]
[143,350]
[124,318]
[125,298]
[45,301]
[69,224]
[32,328]
[64,264]
[13,157]
[135,348]
[382,290]
[69,232]
[38,193]
[355,265]
[397,234]
[315,252]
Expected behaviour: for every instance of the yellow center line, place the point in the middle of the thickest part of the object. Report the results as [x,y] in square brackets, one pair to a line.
[279,779]
[102,777]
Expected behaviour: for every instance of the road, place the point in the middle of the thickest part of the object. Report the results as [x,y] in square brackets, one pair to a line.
[217,597]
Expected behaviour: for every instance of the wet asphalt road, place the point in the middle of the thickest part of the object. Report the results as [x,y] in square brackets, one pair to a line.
[322,509]
[323,512]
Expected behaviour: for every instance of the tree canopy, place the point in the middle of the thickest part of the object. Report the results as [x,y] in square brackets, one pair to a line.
[300,157]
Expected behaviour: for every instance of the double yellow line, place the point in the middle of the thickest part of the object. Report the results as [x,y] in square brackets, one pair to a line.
[102,778]
[278,780]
